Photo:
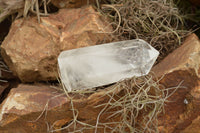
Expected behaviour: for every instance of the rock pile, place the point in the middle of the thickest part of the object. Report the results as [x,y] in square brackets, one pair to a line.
[31,50]
[181,68]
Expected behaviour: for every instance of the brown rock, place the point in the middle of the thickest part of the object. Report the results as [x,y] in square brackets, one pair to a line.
[26,100]
[80,27]
[31,49]
[181,66]
[194,127]
[71,3]
[39,108]
[183,58]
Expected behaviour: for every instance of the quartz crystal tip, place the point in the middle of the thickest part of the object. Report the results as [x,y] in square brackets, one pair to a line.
[99,65]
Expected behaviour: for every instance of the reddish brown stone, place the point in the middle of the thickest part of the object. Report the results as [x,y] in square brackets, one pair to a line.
[31,108]
[181,66]
[183,58]
[194,127]
[31,49]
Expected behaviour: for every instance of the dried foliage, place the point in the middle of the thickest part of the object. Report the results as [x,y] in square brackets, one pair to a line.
[137,102]
[22,7]
[156,21]
[9,7]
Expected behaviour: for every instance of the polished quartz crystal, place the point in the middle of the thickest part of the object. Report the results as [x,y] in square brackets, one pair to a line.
[99,65]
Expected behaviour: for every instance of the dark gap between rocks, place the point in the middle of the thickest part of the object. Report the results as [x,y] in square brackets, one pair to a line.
[6,85]
[4,28]
[50,8]
[12,84]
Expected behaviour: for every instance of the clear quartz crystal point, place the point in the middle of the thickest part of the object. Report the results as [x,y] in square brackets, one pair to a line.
[100,65]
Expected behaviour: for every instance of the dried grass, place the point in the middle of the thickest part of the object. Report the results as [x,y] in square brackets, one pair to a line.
[136,101]
[158,22]
[22,8]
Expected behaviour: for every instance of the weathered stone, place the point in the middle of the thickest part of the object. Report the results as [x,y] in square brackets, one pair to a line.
[71,3]
[194,127]
[181,66]
[31,49]
[24,100]
[183,58]
[32,108]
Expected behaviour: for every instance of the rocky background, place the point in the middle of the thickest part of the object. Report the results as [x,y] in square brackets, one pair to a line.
[32,100]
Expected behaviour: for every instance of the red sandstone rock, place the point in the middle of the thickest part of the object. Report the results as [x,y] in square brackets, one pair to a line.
[27,100]
[31,49]
[40,108]
[181,66]
[194,126]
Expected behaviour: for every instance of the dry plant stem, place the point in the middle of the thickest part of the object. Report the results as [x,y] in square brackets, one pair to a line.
[25,5]
[142,98]
[117,28]
[34,4]
[157,22]
[10,8]
[74,112]
[98,117]
[138,102]
[45,108]
[45,6]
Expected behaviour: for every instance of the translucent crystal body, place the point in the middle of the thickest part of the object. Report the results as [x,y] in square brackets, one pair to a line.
[100,65]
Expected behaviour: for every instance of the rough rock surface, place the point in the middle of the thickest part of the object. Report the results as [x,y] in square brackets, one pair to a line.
[194,127]
[27,100]
[71,3]
[181,66]
[31,49]
[40,108]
